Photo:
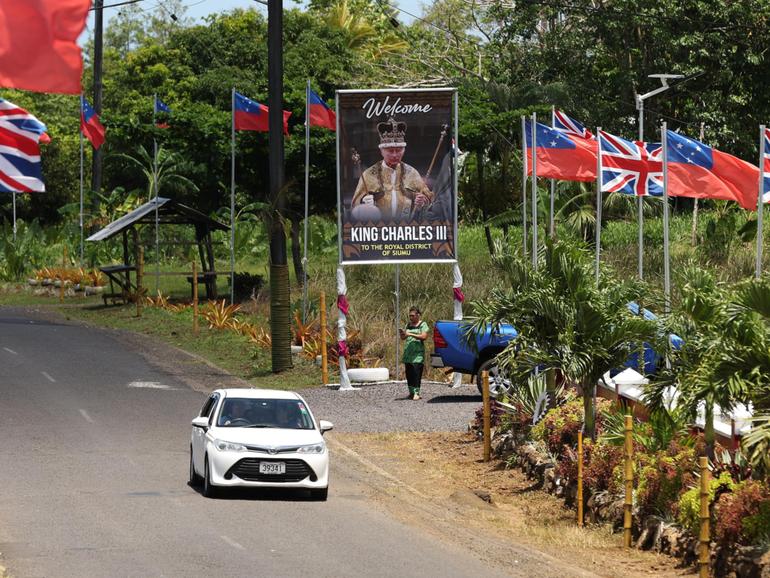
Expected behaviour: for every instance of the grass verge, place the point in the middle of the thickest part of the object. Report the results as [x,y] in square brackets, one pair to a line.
[443,465]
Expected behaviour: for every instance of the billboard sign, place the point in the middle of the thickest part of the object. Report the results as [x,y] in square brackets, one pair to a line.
[396,175]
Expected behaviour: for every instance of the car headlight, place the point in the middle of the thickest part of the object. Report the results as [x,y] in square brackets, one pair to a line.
[318,448]
[224,446]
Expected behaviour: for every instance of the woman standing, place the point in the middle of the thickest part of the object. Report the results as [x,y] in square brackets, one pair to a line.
[415,334]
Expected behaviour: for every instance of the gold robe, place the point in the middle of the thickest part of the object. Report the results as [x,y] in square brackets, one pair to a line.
[394,190]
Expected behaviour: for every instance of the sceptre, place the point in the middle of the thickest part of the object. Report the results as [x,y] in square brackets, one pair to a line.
[444,130]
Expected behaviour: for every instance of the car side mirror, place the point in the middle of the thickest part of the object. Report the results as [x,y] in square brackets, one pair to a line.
[325,426]
[201,422]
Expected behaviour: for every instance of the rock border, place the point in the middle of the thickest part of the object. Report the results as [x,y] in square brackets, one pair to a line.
[652,533]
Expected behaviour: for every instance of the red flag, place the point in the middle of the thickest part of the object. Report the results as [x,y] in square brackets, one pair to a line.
[320,114]
[561,155]
[90,125]
[251,115]
[38,44]
[697,170]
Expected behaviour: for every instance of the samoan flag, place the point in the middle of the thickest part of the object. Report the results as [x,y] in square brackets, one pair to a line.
[320,113]
[569,125]
[90,125]
[20,167]
[251,115]
[161,106]
[560,155]
[631,168]
[766,168]
[696,170]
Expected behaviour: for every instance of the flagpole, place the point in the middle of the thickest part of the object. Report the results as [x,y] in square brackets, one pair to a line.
[666,264]
[155,187]
[524,180]
[598,200]
[694,230]
[534,190]
[553,182]
[640,203]
[81,183]
[14,216]
[232,195]
[307,186]
[760,199]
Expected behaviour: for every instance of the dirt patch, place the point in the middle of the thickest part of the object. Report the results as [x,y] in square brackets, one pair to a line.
[439,481]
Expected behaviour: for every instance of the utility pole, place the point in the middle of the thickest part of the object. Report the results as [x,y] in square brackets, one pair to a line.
[280,295]
[96,166]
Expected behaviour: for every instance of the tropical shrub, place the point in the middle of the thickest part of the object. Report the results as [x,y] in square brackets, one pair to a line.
[688,514]
[497,417]
[603,467]
[743,516]
[219,314]
[247,285]
[661,478]
[560,426]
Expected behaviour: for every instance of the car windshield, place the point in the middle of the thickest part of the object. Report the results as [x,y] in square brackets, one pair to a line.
[268,413]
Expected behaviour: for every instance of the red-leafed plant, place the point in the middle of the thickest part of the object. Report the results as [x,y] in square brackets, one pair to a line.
[743,515]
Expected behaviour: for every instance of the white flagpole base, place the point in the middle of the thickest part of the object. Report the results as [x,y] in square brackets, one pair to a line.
[344,379]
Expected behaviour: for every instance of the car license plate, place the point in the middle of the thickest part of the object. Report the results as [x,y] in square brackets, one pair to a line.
[272,467]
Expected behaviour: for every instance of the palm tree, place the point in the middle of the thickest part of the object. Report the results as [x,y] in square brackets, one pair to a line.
[362,36]
[725,358]
[567,324]
[746,363]
[161,175]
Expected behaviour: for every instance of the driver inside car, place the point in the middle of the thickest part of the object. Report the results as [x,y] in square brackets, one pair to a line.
[287,416]
[234,413]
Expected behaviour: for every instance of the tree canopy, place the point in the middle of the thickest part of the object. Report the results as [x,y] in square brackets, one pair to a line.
[506,60]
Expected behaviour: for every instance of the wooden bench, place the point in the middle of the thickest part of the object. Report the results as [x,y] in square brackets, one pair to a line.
[208,280]
[119,275]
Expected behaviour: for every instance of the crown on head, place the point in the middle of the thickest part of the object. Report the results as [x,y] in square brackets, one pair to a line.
[392,133]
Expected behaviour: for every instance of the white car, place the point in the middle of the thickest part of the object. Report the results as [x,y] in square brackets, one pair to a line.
[258,438]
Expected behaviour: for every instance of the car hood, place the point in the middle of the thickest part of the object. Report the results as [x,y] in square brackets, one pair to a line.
[267,437]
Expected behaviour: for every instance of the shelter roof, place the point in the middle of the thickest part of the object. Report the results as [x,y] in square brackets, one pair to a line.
[170,212]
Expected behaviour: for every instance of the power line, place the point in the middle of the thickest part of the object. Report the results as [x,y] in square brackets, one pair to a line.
[118,4]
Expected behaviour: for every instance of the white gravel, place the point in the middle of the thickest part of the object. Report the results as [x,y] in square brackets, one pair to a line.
[385,407]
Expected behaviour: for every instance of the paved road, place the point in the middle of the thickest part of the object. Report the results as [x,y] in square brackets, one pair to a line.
[93,468]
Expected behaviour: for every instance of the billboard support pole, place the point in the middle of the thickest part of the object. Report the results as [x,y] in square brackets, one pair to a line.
[457,283]
[342,345]
[397,294]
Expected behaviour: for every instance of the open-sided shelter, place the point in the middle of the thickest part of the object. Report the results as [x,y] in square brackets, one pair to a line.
[169,212]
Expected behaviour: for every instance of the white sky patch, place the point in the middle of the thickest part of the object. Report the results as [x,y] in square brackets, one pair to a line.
[150,385]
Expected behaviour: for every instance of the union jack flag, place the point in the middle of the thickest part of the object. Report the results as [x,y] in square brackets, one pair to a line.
[20,134]
[570,125]
[631,168]
[766,168]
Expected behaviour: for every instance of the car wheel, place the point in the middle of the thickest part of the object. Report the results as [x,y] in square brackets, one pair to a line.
[320,495]
[209,490]
[498,379]
[195,479]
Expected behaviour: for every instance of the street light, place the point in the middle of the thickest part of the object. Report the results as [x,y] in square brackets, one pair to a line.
[640,98]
